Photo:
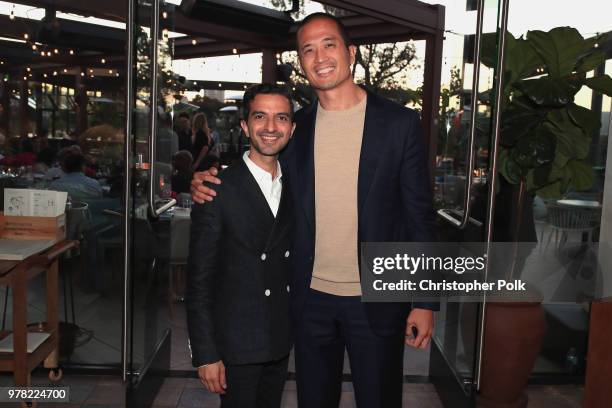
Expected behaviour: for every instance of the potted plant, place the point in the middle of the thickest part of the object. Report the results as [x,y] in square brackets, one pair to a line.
[544,147]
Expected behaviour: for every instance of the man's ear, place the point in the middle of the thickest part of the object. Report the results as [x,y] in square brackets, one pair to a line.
[352,52]
[245,127]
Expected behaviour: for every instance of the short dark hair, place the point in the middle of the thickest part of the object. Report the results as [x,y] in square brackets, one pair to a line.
[73,162]
[320,15]
[264,89]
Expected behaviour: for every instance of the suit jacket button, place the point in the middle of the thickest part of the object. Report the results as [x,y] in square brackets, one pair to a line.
[263,256]
[288,288]
[287,254]
[267,292]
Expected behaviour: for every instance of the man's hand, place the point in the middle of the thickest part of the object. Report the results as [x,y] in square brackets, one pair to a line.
[422,320]
[199,192]
[212,377]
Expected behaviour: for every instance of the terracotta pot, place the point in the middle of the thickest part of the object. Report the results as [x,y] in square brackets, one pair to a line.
[512,341]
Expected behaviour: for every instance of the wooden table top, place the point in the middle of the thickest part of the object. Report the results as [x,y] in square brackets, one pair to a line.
[50,253]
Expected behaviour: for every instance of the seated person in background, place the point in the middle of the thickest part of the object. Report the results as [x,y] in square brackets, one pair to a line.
[55,171]
[181,171]
[75,182]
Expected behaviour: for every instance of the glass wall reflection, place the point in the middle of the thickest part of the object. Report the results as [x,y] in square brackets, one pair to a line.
[62,115]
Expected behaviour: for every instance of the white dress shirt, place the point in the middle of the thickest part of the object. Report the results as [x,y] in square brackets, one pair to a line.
[271,189]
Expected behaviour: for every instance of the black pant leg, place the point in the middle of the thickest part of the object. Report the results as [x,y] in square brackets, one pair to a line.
[272,383]
[242,386]
[376,361]
[319,353]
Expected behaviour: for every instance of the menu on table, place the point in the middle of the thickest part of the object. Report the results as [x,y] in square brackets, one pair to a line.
[34,203]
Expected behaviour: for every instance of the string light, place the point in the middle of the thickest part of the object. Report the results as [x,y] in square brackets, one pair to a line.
[165,14]
[26,36]
[28,69]
[12,16]
[82,74]
[45,75]
[235,51]
[71,52]
[103,61]
[65,70]
[34,47]
[110,71]
[55,51]
[54,73]
[194,42]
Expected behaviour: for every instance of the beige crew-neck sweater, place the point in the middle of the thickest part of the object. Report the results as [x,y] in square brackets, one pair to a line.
[337,147]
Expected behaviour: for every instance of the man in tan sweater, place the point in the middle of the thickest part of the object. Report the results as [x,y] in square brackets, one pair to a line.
[358,170]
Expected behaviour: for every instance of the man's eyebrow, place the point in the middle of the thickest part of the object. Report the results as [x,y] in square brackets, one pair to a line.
[283,113]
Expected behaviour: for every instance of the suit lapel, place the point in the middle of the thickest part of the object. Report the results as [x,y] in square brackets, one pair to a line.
[371,146]
[262,214]
[283,217]
[304,161]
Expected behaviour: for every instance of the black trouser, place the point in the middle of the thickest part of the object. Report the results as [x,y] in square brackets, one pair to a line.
[329,324]
[255,385]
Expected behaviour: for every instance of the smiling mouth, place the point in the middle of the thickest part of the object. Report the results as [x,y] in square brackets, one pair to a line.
[324,71]
[269,139]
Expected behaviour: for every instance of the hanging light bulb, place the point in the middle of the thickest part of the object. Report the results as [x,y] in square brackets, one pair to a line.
[26,36]
[55,51]
[103,61]
[34,47]
[71,52]
[194,42]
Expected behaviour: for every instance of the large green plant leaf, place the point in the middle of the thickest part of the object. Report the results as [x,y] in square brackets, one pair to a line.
[560,48]
[584,118]
[545,144]
[521,58]
[572,141]
[591,61]
[601,84]
[517,122]
[550,191]
[547,91]
[540,176]
[508,167]
[581,174]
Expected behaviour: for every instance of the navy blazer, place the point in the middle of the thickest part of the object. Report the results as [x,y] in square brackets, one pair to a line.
[394,196]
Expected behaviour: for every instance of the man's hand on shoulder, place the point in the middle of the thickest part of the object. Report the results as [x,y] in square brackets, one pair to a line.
[201,193]
[422,320]
[212,377]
